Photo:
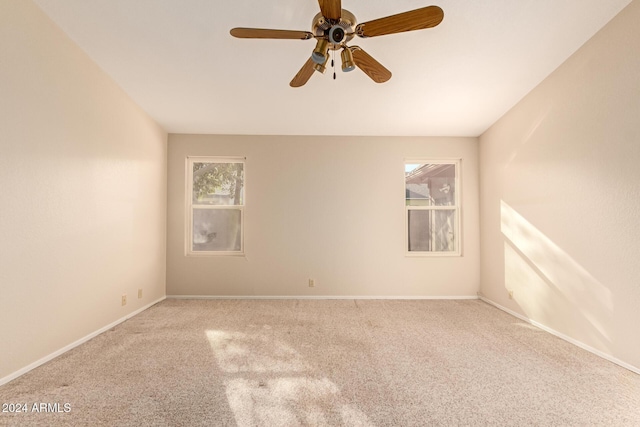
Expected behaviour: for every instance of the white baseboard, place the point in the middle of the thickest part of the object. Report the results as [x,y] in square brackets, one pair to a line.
[321,297]
[74,344]
[563,336]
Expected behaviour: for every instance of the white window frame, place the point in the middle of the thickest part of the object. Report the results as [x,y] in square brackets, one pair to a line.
[190,160]
[457,208]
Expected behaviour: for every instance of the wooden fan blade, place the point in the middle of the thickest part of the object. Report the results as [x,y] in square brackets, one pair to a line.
[418,19]
[331,9]
[370,66]
[262,33]
[304,74]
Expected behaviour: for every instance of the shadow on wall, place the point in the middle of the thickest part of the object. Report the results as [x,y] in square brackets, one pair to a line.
[268,382]
[549,284]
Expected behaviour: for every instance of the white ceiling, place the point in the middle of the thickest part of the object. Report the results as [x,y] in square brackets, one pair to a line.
[176,59]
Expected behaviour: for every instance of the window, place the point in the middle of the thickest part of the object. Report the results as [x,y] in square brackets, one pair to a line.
[432,207]
[215,205]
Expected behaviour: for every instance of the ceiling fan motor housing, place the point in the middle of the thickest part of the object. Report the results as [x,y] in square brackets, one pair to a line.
[336,33]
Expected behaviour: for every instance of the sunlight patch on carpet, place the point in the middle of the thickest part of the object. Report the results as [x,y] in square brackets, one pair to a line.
[289,401]
[265,385]
[259,352]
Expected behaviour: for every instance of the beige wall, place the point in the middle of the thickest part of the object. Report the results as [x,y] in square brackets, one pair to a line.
[82,193]
[327,208]
[560,191]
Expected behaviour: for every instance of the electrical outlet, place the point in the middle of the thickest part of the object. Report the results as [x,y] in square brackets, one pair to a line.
[139,293]
[510,294]
[312,283]
[124,299]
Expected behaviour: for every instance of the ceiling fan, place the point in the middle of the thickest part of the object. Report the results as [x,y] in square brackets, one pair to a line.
[334,27]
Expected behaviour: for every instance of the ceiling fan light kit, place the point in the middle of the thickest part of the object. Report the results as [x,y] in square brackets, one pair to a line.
[321,67]
[347,60]
[334,27]
[321,52]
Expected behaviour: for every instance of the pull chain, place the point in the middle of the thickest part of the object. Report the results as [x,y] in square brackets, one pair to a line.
[333,64]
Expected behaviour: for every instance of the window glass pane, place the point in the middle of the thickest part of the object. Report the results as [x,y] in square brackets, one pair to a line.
[216,229]
[431,230]
[430,184]
[218,184]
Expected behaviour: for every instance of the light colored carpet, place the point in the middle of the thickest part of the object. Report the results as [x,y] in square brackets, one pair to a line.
[326,362]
